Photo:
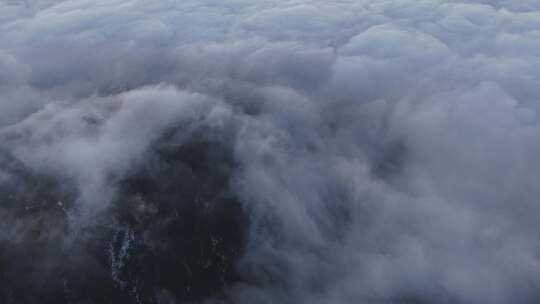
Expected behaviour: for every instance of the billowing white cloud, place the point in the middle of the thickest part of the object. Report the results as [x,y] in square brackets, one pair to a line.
[386,151]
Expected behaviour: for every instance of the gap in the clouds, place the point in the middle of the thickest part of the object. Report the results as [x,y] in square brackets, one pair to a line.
[174,232]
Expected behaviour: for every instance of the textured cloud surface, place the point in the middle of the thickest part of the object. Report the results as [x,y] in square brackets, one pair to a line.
[289,151]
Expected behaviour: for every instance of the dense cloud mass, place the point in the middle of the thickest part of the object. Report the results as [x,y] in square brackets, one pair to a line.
[292,151]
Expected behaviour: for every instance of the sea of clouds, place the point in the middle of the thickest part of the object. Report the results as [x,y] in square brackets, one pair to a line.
[387,151]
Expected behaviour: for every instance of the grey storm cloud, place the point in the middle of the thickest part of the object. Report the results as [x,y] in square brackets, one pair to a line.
[385,151]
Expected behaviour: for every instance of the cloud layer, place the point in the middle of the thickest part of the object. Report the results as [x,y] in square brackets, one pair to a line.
[383,151]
